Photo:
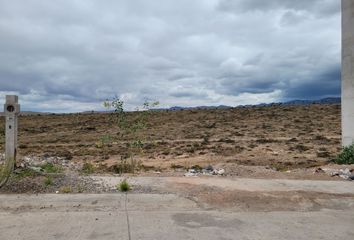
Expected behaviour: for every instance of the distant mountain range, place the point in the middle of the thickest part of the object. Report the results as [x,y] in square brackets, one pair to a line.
[25,113]
[176,108]
[331,100]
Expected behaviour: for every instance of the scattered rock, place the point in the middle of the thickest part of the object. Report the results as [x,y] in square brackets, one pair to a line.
[36,169]
[34,161]
[209,170]
[275,153]
[188,174]
[219,172]
[343,173]
[192,171]
[319,170]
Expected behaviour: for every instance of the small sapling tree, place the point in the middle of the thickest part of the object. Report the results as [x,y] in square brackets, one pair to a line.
[133,130]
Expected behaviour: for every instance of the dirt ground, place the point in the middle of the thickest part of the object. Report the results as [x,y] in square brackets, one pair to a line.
[292,136]
[245,194]
[259,142]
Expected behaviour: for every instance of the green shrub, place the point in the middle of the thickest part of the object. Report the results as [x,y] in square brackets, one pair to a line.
[124,186]
[88,168]
[346,156]
[48,181]
[26,172]
[51,168]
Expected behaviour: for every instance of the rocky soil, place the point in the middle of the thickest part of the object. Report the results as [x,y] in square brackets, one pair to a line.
[287,142]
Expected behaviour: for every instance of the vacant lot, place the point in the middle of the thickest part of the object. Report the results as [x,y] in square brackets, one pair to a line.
[281,137]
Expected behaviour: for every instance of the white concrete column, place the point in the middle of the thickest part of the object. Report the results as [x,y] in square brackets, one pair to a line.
[347,72]
[11,110]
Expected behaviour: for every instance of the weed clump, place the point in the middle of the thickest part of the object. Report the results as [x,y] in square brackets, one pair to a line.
[51,168]
[124,186]
[26,172]
[130,165]
[88,168]
[66,189]
[301,148]
[323,154]
[346,156]
[48,181]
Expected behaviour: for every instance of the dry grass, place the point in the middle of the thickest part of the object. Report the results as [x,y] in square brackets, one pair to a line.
[283,136]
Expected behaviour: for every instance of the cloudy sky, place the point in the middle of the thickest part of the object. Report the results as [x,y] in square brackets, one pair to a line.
[70,55]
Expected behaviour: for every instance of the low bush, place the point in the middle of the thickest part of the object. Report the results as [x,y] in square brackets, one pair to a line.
[87,168]
[124,186]
[48,181]
[26,172]
[346,156]
[51,168]
[127,166]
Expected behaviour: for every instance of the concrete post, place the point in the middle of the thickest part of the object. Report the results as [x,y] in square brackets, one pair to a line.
[11,110]
[347,72]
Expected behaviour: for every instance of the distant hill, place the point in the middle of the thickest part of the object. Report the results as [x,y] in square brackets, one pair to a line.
[28,113]
[331,100]
[176,108]
[321,101]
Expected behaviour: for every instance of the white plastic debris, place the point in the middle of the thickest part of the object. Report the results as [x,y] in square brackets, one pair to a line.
[189,174]
[343,173]
[205,171]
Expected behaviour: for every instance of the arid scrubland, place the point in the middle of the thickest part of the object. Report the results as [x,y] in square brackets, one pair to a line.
[283,137]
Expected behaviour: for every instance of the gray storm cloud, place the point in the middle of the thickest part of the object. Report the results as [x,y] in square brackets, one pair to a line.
[71,55]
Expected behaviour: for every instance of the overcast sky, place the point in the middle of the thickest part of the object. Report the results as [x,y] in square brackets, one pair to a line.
[70,55]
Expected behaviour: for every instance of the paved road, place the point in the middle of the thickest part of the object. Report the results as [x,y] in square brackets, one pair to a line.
[241,184]
[157,216]
[172,216]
